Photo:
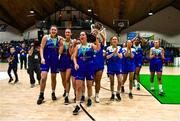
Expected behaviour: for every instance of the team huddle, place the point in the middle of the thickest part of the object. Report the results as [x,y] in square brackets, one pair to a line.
[84,60]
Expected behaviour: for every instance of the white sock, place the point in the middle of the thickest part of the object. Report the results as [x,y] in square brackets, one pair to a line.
[152,84]
[67,94]
[113,93]
[130,91]
[160,88]
[97,94]
[78,103]
[83,94]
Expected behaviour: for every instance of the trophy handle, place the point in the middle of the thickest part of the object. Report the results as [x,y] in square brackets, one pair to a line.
[92,25]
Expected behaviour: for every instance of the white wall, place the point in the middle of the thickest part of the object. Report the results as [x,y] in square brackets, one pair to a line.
[10,34]
[31,33]
[109,33]
[164,25]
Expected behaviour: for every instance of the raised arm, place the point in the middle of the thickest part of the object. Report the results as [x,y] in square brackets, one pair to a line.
[103,38]
[96,46]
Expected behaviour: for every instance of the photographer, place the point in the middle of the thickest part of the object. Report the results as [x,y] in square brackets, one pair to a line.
[23,55]
[34,63]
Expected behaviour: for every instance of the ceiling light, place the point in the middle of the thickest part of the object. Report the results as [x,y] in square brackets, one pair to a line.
[150,13]
[31,11]
[89,10]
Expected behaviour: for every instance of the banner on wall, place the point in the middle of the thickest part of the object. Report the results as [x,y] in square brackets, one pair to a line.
[146,35]
[131,35]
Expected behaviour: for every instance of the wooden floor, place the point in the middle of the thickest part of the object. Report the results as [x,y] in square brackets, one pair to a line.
[18,103]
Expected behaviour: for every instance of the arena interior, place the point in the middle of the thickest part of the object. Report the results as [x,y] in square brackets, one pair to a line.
[83,60]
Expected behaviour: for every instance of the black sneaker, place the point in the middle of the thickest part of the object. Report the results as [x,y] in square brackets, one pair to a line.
[66,101]
[53,96]
[40,99]
[122,89]
[161,93]
[76,110]
[130,95]
[138,88]
[112,97]
[118,97]
[10,80]
[82,99]
[64,93]
[16,81]
[89,102]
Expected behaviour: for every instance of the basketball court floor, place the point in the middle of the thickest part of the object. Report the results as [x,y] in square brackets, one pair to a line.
[18,102]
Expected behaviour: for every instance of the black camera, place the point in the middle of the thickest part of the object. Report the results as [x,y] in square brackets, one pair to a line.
[36,43]
[91,38]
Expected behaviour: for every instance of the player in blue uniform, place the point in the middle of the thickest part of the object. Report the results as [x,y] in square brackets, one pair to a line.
[114,66]
[73,73]
[13,61]
[156,65]
[65,63]
[138,60]
[98,65]
[128,66]
[49,52]
[83,63]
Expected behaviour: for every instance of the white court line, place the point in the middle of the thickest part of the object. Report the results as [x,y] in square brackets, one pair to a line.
[4,75]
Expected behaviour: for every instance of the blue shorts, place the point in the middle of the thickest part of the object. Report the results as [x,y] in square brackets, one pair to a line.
[113,72]
[65,63]
[128,69]
[85,71]
[138,61]
[50,63]
[156,67]
[98,68]
[138,64]
[73,72]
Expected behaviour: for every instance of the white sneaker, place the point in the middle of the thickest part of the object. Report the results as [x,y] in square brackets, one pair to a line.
[97,99]
[32,85]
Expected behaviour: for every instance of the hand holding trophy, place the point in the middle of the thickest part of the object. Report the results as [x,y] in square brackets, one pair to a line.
[98,30]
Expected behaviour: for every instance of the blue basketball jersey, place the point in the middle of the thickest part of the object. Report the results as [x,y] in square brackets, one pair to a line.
[156,63]
[128,63]
[114,64]
[138,56]
[99,59]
